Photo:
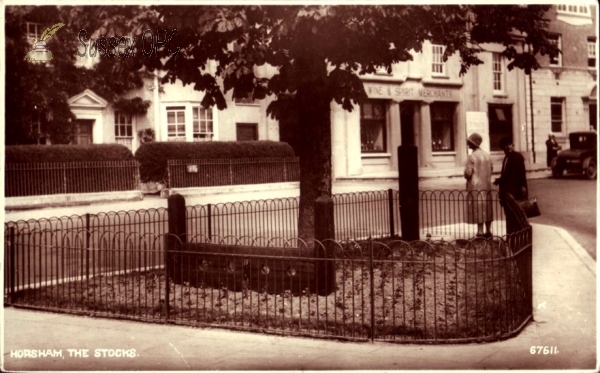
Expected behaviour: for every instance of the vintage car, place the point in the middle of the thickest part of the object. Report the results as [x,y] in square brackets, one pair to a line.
[580,158]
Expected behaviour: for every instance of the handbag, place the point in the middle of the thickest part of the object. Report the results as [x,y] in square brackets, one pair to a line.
[530,207]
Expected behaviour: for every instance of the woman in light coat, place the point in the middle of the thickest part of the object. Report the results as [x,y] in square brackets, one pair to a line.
[478,172]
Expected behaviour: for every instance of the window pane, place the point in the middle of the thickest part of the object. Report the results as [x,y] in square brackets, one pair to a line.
[556,113]
[556,60]
[170,117]
[180,117]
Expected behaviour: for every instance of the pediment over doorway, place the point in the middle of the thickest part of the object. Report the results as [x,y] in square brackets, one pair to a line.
[87,99]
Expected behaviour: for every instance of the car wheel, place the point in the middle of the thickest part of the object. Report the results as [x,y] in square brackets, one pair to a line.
[557,171]
[591,169]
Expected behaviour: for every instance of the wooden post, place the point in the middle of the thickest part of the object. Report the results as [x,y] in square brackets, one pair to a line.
[391,212]
[324,233]
[175,237]
[408,179]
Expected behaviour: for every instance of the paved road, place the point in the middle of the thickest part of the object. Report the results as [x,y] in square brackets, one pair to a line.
[569,203]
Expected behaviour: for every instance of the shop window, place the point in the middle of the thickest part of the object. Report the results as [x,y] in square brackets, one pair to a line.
[500,124]
[176,123]
[124,129]
[246,131]
[557,113]
[556,61]
[591,51]
[442,126]
[373,127]
[202,123]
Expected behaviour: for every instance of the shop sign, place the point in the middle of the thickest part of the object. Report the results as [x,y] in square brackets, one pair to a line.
[408,92]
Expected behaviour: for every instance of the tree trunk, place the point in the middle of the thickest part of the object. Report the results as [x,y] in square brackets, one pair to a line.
[315,152]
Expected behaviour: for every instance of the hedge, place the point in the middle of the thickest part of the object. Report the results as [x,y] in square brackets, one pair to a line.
[57,169]
[153,156]
[67,153]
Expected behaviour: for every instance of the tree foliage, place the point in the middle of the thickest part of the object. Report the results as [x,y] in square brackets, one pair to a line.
[46,87]
[318,53]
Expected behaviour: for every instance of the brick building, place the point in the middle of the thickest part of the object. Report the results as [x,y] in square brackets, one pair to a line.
[564,91]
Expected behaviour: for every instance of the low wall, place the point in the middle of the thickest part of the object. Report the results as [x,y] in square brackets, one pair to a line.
[56,200]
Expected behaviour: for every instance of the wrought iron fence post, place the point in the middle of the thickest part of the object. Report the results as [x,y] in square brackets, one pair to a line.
[87,246]
[230,172]
[210,221]
[11,253]
[64,177]
[391,212]
[372,286]
[169,183]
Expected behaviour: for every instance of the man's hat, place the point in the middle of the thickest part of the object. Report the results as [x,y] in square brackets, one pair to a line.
[505,141]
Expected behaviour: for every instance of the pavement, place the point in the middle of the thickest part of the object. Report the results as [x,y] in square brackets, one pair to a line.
[564,310]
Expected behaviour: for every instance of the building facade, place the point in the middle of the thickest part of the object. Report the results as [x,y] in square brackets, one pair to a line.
[563,93]
[175,114]
[425,102]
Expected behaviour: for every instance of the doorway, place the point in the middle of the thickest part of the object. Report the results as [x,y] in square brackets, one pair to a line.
[83,132]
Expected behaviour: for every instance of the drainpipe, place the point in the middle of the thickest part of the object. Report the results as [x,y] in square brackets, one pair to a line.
[531,113]
[156,107]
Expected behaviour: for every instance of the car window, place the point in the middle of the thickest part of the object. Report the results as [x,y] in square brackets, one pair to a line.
[582,141]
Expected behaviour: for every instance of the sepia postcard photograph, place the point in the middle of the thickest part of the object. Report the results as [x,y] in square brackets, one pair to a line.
[298,186]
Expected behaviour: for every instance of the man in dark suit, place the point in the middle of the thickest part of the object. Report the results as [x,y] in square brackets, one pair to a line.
[513,180]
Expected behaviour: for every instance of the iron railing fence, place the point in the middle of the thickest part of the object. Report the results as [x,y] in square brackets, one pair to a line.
[150,221]
[385,290]
[357,215]
[366,214]
[268,218]
[32,179]
[441,210]
[186,173]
